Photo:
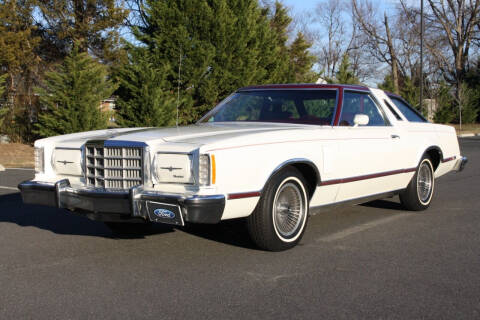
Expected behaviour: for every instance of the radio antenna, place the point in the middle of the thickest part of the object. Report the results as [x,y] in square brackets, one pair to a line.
[178,84]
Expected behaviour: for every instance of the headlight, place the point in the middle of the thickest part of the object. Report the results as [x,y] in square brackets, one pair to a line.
[204,170]
[174,168]
[67,161]
[39,160]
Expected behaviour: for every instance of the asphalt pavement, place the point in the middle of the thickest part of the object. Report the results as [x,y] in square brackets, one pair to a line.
[368,261]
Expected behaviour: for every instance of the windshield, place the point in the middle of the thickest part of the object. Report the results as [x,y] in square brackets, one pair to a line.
[286,106]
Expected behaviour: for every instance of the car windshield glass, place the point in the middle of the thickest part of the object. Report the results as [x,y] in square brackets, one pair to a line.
[286,106]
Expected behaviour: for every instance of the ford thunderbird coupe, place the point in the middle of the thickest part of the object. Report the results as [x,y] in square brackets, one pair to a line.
[269,154]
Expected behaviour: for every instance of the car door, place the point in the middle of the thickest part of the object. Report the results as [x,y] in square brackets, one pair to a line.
[368,158]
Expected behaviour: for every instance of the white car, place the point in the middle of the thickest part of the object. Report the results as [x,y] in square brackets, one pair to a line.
[268,153]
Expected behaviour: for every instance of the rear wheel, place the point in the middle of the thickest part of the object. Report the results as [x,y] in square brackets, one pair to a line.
[279,220]
[419,192]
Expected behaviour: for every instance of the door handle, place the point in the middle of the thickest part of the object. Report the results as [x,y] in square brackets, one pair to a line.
[394,136]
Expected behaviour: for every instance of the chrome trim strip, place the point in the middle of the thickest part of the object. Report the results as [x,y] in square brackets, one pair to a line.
[367,176]
[301,161]
[124,144]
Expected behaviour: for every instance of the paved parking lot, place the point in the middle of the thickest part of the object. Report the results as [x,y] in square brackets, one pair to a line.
[367,261]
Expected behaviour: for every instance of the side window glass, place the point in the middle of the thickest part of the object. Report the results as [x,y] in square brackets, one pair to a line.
[360,103]
[407,111]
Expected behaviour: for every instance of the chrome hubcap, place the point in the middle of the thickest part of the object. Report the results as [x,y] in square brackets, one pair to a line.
[424,182]
[288,209]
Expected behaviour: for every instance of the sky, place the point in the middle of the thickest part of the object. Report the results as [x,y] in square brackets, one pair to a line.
[301,5]
[297,7]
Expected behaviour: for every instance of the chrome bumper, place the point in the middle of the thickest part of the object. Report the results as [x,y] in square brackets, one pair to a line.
[460,164]
[135,203]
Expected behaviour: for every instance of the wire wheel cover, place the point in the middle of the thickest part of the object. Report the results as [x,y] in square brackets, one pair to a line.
[289,209]
[424,182]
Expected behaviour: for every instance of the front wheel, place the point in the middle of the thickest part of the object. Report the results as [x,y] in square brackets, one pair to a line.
[419,192]
[279,220]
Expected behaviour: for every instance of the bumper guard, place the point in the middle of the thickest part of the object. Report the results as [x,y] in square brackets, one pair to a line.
[460,164]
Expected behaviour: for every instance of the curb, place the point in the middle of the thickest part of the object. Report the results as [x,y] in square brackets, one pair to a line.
[466,135]
[2,168]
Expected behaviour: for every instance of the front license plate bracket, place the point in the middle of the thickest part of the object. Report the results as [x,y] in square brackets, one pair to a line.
[165,213]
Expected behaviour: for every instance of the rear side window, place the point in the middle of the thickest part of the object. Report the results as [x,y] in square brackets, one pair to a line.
[411,114]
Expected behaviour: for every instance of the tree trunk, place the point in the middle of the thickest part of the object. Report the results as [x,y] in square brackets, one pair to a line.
[396,87]
[393,56]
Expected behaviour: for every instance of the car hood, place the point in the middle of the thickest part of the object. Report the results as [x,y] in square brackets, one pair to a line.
[197,134]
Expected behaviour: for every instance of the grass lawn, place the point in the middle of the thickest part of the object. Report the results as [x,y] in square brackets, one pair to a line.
[467,128]
[16,155]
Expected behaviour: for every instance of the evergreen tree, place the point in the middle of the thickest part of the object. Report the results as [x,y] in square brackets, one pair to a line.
[18,42]
[469,102]
[72,97]
[142,98]
[218,46]
[446,104]
[280,22]
[301,61]
[2,86]
[91,25]
[294,60]
[408,90]
[20,61]
[472,80]
[3,109]
[345,74]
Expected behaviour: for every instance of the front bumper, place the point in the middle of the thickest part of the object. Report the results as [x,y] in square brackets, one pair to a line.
[460,164]
[132,204]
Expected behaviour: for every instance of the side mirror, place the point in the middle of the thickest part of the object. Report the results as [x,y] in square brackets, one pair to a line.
[360,120]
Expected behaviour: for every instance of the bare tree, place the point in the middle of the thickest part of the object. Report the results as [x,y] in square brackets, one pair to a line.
[332,35]
[454,25]
[379,37]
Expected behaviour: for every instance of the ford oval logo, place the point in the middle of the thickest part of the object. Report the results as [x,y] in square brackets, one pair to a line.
[164,213]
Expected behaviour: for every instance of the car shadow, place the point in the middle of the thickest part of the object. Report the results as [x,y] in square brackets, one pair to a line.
[232,232]
[384,204]
[61,221]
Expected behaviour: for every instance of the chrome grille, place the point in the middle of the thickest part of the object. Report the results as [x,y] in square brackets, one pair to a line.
[113,167]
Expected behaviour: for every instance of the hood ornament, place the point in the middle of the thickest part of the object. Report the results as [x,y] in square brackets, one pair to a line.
[65,162]
[170,168]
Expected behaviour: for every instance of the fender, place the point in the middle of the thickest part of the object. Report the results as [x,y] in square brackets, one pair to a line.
[313,181]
